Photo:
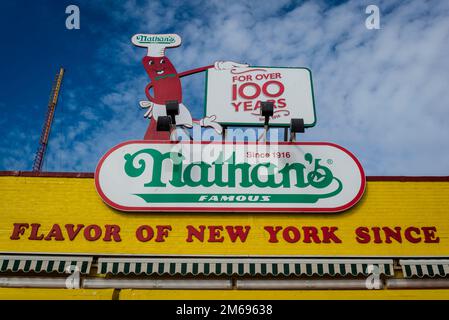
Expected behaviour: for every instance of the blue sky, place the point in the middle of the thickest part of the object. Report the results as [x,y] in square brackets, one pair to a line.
[383,94]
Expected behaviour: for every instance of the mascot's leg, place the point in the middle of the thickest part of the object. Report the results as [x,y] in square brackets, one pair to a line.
[183,121]
[152,134]
[184,118]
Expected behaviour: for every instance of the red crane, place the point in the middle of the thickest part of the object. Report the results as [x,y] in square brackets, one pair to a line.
[43,142]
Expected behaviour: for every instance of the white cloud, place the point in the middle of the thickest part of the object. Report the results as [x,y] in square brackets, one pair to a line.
[383,94]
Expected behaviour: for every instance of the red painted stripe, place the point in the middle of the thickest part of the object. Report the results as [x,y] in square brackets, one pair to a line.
[47,174]
[91,175]
[409,178]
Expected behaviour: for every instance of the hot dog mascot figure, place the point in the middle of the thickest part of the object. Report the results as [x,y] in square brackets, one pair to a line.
[166,81]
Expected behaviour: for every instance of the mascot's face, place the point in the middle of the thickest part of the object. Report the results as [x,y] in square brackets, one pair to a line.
[158,66]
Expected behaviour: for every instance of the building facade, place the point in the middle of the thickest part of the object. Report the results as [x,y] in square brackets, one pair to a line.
[59,240]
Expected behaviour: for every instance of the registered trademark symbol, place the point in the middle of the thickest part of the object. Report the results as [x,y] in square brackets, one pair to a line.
[329,161]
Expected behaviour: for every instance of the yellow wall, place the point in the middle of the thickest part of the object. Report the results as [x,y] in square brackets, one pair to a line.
[107,294]
[284,294]
[54,294]
[63,201]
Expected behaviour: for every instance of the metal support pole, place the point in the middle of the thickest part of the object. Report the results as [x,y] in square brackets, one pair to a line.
[33,282]
[293,136]
[224,133]
[265,127]
[417,283]
[315,284]
[286,134]
[156,284]
[172,132]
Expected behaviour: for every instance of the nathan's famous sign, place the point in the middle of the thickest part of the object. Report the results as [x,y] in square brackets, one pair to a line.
[157,174]
[151,176]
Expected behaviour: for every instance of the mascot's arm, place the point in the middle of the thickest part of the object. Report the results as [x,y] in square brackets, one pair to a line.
[147,92]
[193,71]
[218,65]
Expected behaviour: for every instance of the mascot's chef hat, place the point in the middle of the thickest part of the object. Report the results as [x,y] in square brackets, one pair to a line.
[156,43]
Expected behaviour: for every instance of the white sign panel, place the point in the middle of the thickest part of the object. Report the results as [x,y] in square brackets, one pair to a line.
[234,96]
[238,177]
